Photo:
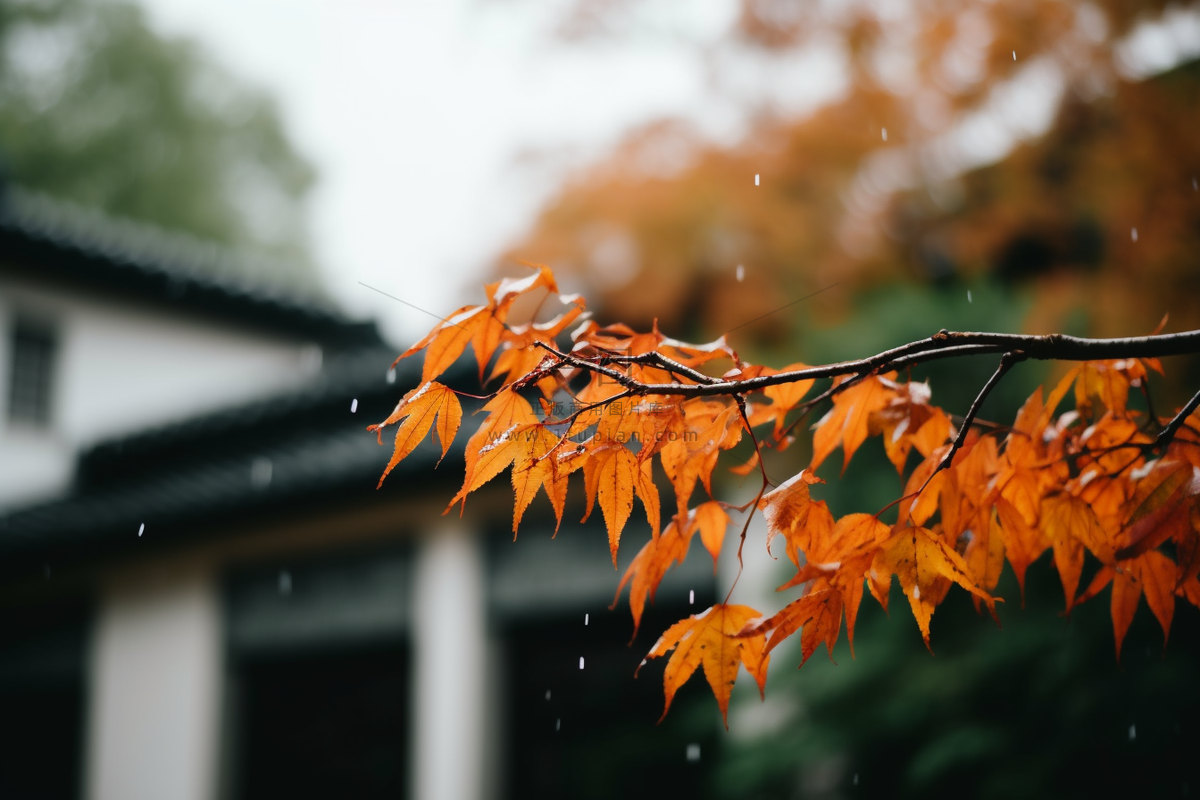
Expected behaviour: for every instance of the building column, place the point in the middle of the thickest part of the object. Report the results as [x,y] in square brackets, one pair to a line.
[449,650]
[154,697]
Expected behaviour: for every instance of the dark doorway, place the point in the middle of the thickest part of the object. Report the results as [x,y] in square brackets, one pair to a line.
[42,697]
[322,723]
[592,732]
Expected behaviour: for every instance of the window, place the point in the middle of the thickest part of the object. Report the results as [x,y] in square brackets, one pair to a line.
[31,378]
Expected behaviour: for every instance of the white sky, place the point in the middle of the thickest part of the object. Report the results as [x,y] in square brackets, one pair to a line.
[415,114]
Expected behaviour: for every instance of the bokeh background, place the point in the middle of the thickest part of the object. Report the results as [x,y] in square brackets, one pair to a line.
[820,180]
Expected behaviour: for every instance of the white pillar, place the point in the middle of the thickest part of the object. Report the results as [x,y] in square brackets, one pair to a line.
[155,690]
[450,647]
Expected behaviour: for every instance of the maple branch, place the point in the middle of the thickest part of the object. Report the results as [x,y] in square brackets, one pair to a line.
[836,553]
[565,359]
[943,344]
[659,360]
[1006,363]
[741,404]
[957,351]
[1168,433]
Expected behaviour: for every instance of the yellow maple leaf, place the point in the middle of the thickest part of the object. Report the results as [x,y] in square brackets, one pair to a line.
[710,639]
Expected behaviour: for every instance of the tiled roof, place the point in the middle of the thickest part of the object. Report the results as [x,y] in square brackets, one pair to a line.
[295,451]
[53,240]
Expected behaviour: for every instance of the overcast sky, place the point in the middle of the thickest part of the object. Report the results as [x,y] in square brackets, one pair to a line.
[439,128]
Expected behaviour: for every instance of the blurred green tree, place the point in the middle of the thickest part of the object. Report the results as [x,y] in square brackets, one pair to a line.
[99,109]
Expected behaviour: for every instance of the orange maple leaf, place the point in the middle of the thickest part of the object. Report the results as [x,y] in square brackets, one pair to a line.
[534,466]
[907,421]
[847,423]
[1163,503]
[708,428]
[921,560]
[1023,543]
[1151,574]
[818,615]
[493,447]
[711,639]
[612,475]
[784,397]
[1071,525]
[712,521]
[651,564]
[420,409]
[787,508]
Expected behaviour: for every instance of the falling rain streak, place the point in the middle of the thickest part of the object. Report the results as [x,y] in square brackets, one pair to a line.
[547,695]
[741,273]
[693,753]
[581,662]
[691,597]
[141,529]
[354,405]
[884,133]
[585,619]
[1133,234]
[756,179]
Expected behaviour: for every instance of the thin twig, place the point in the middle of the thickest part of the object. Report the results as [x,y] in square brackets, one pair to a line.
[1168,433]
[741,403]
[1006,363]
[657,359]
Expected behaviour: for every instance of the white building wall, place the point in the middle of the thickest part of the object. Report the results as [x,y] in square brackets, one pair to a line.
[155,689]
[451,652]
[122,367]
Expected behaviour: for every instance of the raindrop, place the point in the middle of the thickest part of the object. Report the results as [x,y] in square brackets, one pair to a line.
[558,725]
[969,300]
[691,597]
[693,753]
[856,779]
[1133,234]
[547,695]
[884,132]
[741,273]
[1195,185]
[141,529]
[756,179]
[585,619]
[391,376]
[1014,55]
[1132,732]
[354,405]
[285,582]
[581,662]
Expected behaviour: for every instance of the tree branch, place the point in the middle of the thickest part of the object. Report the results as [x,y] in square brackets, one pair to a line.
[1168,433]
[944,344]
[1006,363]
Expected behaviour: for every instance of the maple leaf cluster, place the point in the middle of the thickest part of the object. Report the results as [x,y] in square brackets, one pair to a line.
[1102,478]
